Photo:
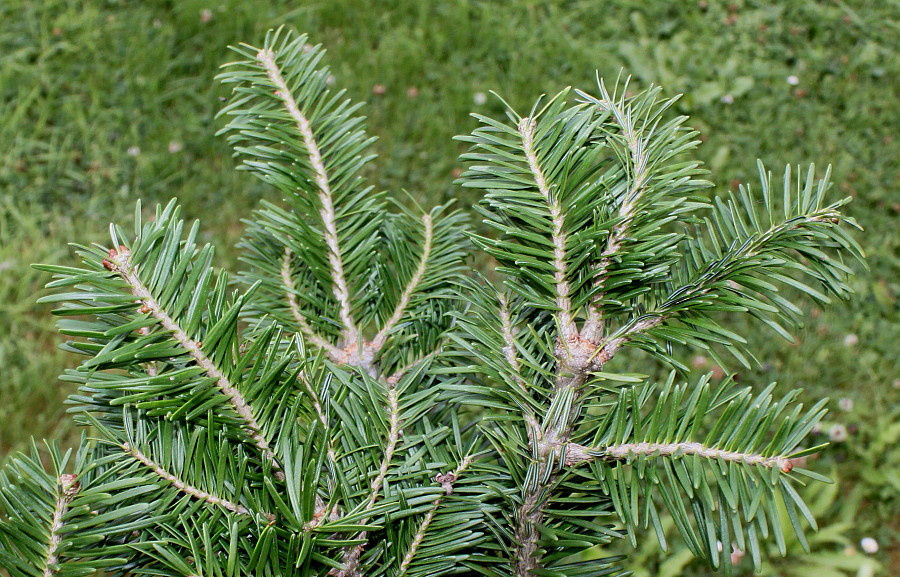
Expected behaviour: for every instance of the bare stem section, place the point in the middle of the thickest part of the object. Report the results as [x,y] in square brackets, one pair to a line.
[68,487]
[327,213]
[578,454]
[121,264]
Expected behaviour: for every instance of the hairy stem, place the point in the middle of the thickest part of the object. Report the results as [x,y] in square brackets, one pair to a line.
[186,488]
[122,265]
[327,212]
[352,554]
[68,487]
[577,454]
[563,302]
[446,481]
[509,351]
[607,349]
[593,327]
[410,288]
[317,340]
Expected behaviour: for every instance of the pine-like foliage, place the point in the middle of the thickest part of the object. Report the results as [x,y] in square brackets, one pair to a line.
[355,404]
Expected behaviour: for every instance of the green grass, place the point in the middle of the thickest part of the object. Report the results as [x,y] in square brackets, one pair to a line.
[108,101]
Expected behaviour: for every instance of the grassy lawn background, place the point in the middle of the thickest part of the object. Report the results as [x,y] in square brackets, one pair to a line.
[107,101]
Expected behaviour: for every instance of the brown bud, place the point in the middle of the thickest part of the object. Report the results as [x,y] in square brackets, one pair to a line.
[446,480]
[112,253]
[787,467]
[144,308]
[108,265]
[69,484]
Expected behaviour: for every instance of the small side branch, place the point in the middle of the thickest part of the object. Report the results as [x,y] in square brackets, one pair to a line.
[405,297]
[579,454]
[593,327]
[327,213]
[509,351]
[568,329]
[608,349]
[352,554]
[187,488]
[446,480]
[317,406]
[119,262]
[334,353]
[392,441]
[67,487]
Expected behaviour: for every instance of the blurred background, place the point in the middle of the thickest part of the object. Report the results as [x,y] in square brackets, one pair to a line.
[103,102]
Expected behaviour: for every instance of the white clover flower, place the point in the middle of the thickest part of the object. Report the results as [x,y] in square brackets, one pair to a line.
[845,404]
[869,545]
[479,98]
[133,151]
[206,15]
[727,99]
[793,80]
[838,433]
[175,147]
[851,340]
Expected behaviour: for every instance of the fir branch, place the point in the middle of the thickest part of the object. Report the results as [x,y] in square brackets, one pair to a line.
[119,262]
[579,454]
[608,348]
[320,413]
[187,488]
[334,353]
[583,197]
[327,213]
[392,440]
[352,554]
[568,330]
[648,450]
[510,353]
[593,327]
[67,488]
[446,481]
[379,340]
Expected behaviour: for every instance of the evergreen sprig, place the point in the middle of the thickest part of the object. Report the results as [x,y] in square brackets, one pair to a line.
[356,404]
[721,485]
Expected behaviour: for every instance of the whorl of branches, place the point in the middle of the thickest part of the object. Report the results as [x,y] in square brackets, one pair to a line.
[357,405]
